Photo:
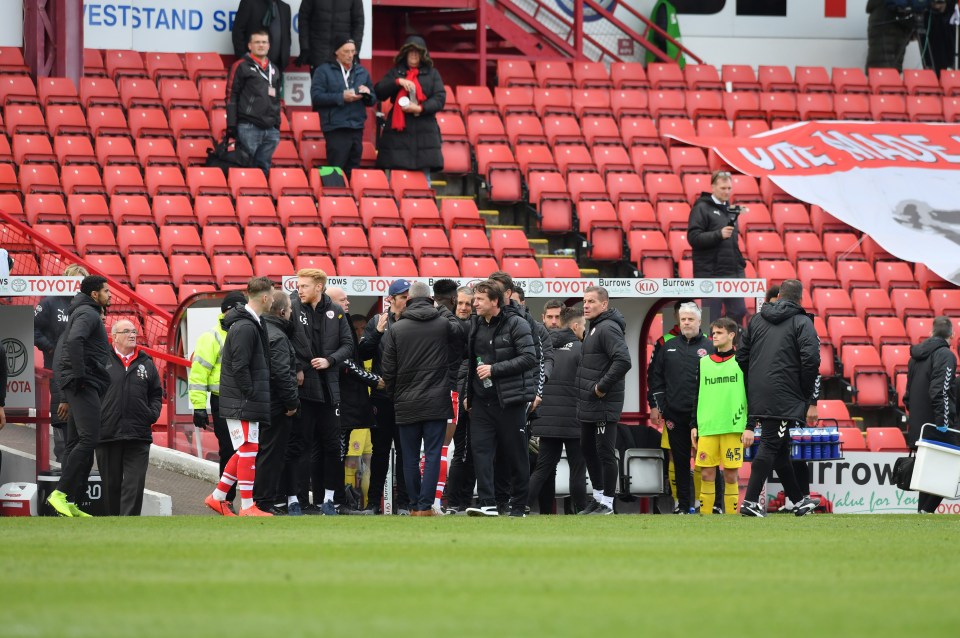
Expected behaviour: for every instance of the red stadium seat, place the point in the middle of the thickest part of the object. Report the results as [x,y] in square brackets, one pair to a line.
[591,75]
[343,238]
[150,151]
[306,240]
[222,240]
[945,301]
[164,180]
[95,239]
[377,210]
[852,107]
[649,251]
[515,73]
[844,330]
[181,239]
[850,80]
[886,330]
[139,92]
[81,179]
[813,79]
[862,366]
[743,105]
[190,269]
[215,209]
[419,211]
[889,108]
[832,301]
[387,237]
[264,239]
[323,262]
[816,106]
[522,267]
[204,65]
[429,242]
[925,108]
[553,101]
[436,266]
[776,78]
[560,267]
[852,440]
[553,73]
[514,100]
[629,75]
[702,77]
[256,210]
[886,439]
[740,77]
[66,119]
[478,267]
[856,274]
[885,81]
[871,302]
[469,241]
[354,265]
[231,269]
[453,211]
[148,269]
[202,180]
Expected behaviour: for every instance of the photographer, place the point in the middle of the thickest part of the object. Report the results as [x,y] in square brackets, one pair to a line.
[712,233]
[891,26]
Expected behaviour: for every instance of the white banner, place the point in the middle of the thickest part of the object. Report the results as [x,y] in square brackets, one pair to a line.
[17,343]
[622,288]
[180,25]
[34,285]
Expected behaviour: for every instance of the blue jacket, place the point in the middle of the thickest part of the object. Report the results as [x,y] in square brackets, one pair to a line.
[326,93]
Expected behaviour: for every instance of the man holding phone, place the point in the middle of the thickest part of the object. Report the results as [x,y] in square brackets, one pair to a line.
[712,233]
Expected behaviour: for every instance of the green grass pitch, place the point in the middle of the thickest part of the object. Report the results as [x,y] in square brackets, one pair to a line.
[541,576]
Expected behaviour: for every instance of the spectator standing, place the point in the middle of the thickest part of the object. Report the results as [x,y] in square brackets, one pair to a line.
[356,412]
[49,321]
[323,342]
[552,311]
[931,395]
[81,372]
[131,406]
[204,378]
[461,478]
[385,433]
[500,354]
[780,357]
[244,395]
[445,294]
[253,101]
[415,371]
[712,233]
[558,427]
[890,28]
[272,15]
[411,136]
[600,380]
[284,403]
[341,91]
[323,22]
[673,384]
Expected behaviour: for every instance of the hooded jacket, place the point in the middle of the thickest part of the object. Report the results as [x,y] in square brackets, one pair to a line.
[417,147]
[558,412]
[604,364]
[674,372]
[931,395]
[371,347]
[356,411]
[284,394]
[85,350]
[245,372]
[326,95]
[515,355]
[543,344]
[714,256]
[252,16]
[248,97]
[49,321]
[323,22]
[416,361]
[132,403]
[204,375]
[780,357]
[323,332]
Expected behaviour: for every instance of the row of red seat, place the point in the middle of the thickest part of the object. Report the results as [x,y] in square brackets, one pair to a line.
[124,62]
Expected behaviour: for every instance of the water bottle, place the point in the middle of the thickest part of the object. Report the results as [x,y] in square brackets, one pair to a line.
[488,382]
[795,452]
[806,436]
[835,443]
[817,444]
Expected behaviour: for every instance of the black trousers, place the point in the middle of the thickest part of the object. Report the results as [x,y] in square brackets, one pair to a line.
[224,444]
[382,437]
[928,502]
[733,307]
[83,435]
[680,444]
[344,148]
[598,442]
[500,431]
[460,477]
[774,454]
[271,456]
[502,479]
[123,473]
[544,475]
[316,443]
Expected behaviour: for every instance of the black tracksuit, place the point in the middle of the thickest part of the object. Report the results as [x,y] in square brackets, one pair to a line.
[603,366]
[323,331]
[673,384]
[780,359]
[931,397]
[253,15]
[49,321]
[283,398]
[461,477]
[558,427]
[130,407]
[81,361]
[714,256]
[498,412]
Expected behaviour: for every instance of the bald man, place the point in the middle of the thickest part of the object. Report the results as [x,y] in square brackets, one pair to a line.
[130,408]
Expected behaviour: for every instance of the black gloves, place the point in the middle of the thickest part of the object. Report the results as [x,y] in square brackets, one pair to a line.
[200,419]
[231,132]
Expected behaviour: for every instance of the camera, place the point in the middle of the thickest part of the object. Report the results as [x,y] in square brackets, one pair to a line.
[735,210]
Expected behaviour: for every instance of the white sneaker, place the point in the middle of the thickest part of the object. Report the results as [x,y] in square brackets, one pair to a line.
[486,510]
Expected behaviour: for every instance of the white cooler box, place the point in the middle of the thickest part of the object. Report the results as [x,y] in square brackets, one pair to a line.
[18,499]
[937,467]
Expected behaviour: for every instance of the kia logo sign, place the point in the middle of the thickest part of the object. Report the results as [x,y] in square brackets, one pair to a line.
[647,287]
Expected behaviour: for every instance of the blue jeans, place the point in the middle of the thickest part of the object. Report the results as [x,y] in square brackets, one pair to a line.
[260,143]
[422,491]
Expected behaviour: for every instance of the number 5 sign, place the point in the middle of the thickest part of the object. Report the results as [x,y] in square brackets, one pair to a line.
[296,89]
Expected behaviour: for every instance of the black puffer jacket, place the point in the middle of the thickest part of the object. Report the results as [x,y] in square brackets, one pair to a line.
[323,332]
[605,363]
[931,395]
[416,361]
[250,17]
[515,356]
[85,351]
[132,402]
[417,147]
[674,373]
[356,410]
[371,347]
[283,364]
[322,22]
[49,321]
[713,256]
[558,412]
[248,98]
[543,344]
[780,358]
[244,368]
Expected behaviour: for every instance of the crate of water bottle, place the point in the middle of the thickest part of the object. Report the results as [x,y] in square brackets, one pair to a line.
[751,452]
[820,443]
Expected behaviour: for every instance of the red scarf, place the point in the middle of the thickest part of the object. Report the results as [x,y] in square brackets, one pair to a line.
[399,122]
